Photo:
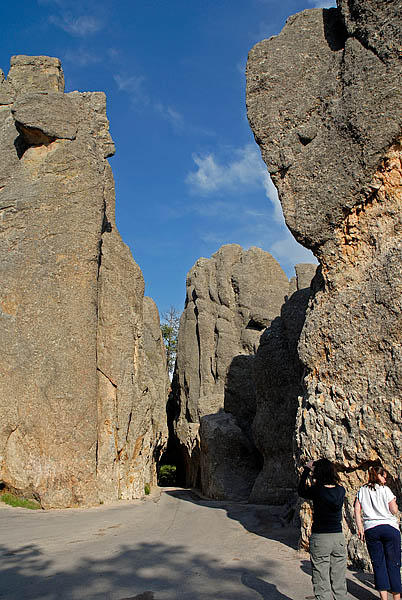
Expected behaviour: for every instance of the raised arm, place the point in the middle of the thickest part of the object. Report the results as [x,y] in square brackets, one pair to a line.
[358,519]
[303,489]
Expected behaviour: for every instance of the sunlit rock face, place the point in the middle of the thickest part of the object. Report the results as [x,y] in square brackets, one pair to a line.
[231,298]
[324,107]
[80,420]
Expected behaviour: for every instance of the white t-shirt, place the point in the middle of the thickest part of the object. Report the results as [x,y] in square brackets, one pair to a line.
[375,507]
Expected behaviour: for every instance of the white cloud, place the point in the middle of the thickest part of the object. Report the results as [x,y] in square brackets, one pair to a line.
[249,226]
[245,170]
[208,178]
[287,250]
[322,3]
[134,86]
[82,57]
[211,175]
[171,115]
[79,26]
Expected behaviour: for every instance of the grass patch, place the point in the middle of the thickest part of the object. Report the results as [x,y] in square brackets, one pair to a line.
[13,500]
[167,475]
[147,489]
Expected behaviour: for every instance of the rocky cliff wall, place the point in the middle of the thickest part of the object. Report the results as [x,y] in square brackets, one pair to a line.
[278,374]
[324,104]
[231,299]
[80,422]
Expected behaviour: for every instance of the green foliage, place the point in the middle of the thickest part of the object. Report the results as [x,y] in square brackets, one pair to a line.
[167,475]
[13,500]
[170,332]
[147,489]
[170,340]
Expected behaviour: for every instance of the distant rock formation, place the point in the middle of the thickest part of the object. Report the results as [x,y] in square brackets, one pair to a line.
[231,299]
[324,105]
[83,381]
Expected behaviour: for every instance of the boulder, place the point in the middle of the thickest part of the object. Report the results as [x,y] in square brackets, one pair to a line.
[229,462]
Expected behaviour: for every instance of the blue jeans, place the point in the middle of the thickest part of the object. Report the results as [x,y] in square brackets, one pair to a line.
[384,547]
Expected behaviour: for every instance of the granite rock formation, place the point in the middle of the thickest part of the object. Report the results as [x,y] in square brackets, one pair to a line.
[265,386]
[278,374]
[81,420]
[324,104]
[231,298]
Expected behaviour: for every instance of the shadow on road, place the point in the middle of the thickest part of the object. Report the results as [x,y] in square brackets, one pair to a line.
[267,522]
[137,572]
[262,520]
[267,591]
[354,589]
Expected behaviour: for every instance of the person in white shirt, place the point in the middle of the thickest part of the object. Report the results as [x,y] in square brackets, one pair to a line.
[379,526]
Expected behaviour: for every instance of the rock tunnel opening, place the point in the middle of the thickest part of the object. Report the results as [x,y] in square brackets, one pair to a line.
[171,467]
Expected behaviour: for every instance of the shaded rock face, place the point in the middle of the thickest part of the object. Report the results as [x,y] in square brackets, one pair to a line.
[80,419]
[230,466]
[324,106]
[229,462]
[231,298]
[278,374]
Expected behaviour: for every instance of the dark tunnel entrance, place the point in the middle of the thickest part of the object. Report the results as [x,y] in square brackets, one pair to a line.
[171,467]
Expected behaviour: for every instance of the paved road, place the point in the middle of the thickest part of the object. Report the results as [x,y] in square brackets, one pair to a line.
[170,547]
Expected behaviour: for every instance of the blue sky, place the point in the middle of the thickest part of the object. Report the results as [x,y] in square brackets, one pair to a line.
[188,173]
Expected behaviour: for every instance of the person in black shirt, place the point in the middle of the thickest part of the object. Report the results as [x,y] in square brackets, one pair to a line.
[327,542]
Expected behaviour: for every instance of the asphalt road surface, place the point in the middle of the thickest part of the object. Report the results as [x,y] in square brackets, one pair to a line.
[172,546]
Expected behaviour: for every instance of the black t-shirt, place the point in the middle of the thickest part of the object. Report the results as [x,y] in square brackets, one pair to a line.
[327,505]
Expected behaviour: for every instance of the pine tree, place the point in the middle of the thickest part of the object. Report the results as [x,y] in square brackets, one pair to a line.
[170,332]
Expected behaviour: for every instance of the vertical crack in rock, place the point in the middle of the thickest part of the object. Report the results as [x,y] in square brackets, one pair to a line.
[99,407]
[108,378]
[130,416]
